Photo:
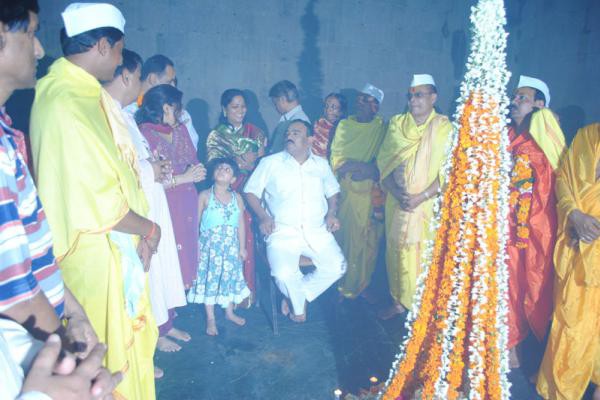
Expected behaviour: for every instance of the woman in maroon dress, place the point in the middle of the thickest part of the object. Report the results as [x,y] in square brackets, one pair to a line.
[158,120]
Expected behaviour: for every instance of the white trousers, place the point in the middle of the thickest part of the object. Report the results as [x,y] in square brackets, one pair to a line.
[284,248]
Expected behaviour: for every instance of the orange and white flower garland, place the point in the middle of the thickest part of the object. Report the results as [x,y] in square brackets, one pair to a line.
[456,345]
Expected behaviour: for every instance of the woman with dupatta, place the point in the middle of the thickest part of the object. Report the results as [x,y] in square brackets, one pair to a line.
[159,123]
[324,127]
[245,143]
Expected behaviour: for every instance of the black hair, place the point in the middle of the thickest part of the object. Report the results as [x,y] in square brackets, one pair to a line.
[215,162]
[309,128]
[539,95]
[154,100]
[84,41]
[342,99]
[285,89]
[131,62]
[157,64]
[15,13]
[226,98]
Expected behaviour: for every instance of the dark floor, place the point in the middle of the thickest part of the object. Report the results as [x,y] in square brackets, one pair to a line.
[340,346]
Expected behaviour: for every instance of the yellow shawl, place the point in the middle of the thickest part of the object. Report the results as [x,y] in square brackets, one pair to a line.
[86,182]
[577,188]
[546,132]
[357,141]
[422,150]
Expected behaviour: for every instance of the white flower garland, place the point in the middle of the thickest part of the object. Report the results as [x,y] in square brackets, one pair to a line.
[486,75]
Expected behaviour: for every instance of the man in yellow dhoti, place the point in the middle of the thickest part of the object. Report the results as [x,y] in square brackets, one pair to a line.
[355,145]
[86,172]
[572,355]
[410,160]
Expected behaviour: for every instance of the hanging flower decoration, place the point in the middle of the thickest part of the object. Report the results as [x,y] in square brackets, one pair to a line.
[456,342]
[520,197]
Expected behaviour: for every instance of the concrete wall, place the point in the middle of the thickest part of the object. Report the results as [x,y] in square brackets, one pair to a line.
[333,45]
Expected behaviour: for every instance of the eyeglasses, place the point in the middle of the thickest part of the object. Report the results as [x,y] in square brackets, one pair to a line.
[417,95]
[521,97]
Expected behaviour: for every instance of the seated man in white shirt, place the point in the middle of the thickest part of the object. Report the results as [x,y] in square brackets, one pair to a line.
[300,193]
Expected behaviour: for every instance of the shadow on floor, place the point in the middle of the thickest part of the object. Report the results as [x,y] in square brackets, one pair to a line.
[341,345]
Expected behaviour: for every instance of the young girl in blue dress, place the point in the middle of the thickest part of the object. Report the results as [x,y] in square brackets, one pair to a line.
[220,275]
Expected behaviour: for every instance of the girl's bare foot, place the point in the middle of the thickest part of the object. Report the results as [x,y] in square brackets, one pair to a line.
[211,327]
[236,319]
[179,335]
[158,373]
[167,345]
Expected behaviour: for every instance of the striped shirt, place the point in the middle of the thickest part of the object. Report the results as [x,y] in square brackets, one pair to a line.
[27,263]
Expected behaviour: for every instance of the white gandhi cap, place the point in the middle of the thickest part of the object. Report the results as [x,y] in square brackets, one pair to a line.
[83,17]
[373,91]
[422,79]
[528,81]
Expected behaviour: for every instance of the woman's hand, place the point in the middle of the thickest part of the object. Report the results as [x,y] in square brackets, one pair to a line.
[163,169]
[194,173]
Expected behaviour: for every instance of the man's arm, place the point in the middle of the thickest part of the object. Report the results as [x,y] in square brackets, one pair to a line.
[331,220]
[36,315]
[135,224]
[79,328]
[266,223]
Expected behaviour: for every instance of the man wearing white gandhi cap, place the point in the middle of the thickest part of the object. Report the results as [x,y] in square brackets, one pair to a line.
[353,151]
[536,145]
[87,178]
[410,161]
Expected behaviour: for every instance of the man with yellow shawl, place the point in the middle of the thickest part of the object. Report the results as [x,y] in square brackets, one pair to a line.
[355,145]
[86,171]
[536,145]
[572,354]
[411,160]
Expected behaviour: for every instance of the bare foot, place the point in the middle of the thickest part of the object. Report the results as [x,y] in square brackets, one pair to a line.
[167,345]
[211,327]
[596,395]
[514,360]
[391,311]
[285,307]
[236,319]
[179,335]
[158,373]
[298,318]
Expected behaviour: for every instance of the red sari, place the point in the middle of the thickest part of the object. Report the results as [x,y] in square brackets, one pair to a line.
[531,244]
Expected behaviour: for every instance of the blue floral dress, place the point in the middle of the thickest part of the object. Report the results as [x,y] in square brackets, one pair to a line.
[220,276]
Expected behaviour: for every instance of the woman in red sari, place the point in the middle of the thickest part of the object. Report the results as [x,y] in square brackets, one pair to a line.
[324,127]
[244,142]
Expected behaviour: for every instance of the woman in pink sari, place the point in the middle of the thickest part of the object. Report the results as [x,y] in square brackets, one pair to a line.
[244,142]
[159,123]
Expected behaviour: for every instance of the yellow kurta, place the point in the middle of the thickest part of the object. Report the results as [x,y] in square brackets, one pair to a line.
[572,355]
[422,149]
[86,188]
[359,234]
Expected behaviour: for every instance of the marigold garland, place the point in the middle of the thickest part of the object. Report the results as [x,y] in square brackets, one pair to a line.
[456,343]
[520,197]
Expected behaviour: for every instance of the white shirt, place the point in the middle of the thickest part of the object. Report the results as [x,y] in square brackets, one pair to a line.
[295,113]
[295,194]
[185,118]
